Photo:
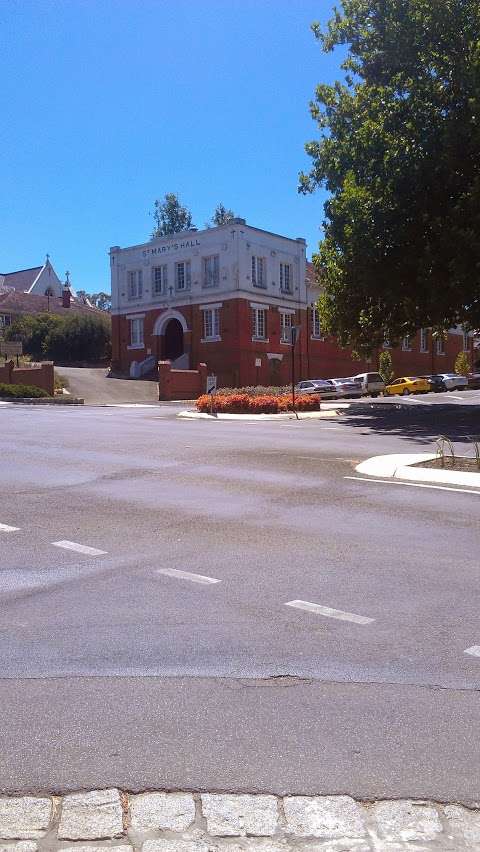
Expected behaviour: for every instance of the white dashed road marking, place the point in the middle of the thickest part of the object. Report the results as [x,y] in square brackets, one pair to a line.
[79,548]
[186,575]
[474,651]
[414,484]
[7,528]
[329,612]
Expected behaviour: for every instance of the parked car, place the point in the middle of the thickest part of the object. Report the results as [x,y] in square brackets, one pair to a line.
[347,388]
[407,385]
[436,383]
[323,387]
[372,384]
[453,381]
[473,381]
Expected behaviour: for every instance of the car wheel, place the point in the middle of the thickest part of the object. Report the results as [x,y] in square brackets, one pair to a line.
[405,392]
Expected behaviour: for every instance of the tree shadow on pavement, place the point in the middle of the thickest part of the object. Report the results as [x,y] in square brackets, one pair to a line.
[420,423]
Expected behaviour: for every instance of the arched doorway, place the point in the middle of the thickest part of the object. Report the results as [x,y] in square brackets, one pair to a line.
[173,340]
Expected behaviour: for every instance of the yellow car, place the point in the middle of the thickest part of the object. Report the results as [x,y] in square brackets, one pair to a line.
[406,385]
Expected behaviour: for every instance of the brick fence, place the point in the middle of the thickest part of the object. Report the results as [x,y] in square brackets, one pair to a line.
[181,384]
[40,376]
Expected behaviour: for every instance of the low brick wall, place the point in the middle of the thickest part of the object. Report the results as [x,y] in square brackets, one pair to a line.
[180,384]
[40,376]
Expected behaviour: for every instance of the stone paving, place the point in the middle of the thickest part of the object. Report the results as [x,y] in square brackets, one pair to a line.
[183,822]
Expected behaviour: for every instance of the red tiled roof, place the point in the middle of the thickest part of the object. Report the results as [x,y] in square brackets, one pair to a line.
[21,280]
[27,303]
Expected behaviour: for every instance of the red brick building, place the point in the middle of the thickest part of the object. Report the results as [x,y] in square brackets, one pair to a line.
[228,297]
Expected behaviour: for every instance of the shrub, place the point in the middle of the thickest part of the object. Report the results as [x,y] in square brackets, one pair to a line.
[256,390]
[243,403]
[385,367]
[462,365]
[22,391]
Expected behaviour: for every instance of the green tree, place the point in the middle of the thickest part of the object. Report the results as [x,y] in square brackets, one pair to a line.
[221,216]
[170,217]
[385,366]
[32,330]
[102,301]
[79,338]
[59,338]
[462,364]
[399,154]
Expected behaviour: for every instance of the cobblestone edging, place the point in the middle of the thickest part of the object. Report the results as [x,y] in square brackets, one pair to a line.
[182,822]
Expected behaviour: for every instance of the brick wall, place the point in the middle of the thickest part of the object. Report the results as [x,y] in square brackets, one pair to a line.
[180,384]
[41,376]
[233,358]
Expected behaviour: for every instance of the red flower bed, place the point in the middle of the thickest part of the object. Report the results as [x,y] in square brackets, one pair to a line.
[242,403]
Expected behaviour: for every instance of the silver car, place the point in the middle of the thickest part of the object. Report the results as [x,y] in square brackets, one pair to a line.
[347,388]
[322,387]
[453,382]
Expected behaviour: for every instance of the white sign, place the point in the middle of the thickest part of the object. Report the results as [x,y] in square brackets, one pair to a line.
[258,362]
[211,384]
[11,347]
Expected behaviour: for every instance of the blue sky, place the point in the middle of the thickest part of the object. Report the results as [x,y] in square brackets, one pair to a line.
[107,104]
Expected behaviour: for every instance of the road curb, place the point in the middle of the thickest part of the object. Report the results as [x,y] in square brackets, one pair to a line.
[55,400]
[399,466]
[302,415]
[160,821]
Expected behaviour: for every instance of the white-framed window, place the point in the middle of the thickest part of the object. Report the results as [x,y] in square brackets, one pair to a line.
[211,271]
[259,276]
[424,340]
[259,323]
[440,345]
[466,341]
[159,280]
[211,323]
[5,320]
[406,343]
[183,275]
[136,332]
[286,277]
[286,323]
[316,326]
[134,283]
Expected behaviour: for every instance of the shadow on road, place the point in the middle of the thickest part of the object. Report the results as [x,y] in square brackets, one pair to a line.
[419,423]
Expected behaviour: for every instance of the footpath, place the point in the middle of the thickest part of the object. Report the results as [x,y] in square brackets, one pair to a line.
[183,822]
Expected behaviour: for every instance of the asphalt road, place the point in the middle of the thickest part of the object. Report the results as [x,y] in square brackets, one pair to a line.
[117,669]
[97,388]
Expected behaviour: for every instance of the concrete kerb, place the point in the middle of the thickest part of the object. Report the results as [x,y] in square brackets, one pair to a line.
[399,466]
[158,821]
[290,415]
[54,400]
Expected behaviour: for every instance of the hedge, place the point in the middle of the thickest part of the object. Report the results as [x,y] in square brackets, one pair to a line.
[22,391]
[243,403]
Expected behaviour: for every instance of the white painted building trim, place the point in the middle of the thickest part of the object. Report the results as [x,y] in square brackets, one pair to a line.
[135,316]
[163,319]
[259,306]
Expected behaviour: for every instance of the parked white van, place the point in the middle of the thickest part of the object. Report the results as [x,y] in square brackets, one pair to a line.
[372,384]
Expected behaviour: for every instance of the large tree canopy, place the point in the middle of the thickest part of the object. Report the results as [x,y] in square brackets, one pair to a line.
[399,153]
[170,216]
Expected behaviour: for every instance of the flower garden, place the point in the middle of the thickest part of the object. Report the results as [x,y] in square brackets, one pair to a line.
[256,400]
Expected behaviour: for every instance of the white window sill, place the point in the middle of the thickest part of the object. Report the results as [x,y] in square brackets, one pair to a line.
[316,337]
[210,286]
[260,340]
[136,346]
[286,292]
[260,286]
[423,351]
[285,342]
[210,339]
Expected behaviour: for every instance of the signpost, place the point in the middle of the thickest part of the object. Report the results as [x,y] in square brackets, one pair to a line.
[294,335]
[10,348]
[211,389]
